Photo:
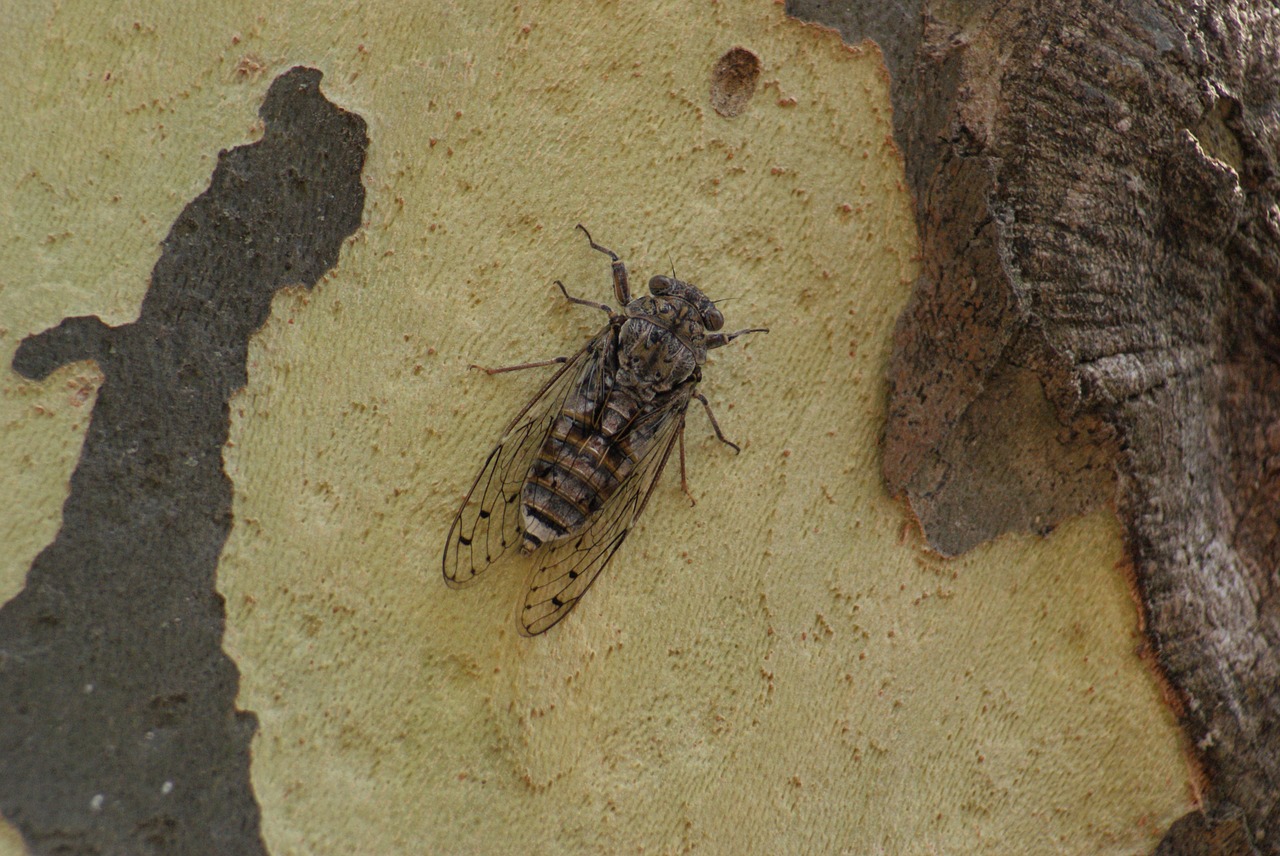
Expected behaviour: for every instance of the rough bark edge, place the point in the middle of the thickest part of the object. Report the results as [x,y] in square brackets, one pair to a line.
[1096,191]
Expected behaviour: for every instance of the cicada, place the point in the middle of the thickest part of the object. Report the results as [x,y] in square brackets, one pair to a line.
[576,466]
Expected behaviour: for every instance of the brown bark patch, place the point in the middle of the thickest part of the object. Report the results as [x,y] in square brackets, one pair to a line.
[1097,194]
[733,81]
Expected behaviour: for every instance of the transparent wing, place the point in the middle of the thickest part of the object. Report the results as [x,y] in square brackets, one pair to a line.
[488,521]
[566,569]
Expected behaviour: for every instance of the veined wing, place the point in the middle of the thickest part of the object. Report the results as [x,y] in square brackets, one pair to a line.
[488,521]
[566,569]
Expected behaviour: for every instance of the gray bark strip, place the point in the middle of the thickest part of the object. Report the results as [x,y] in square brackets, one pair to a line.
[1096,190]
[118,726]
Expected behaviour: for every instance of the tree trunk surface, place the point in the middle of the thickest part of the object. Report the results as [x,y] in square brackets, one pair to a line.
[1096,192]
[225,627]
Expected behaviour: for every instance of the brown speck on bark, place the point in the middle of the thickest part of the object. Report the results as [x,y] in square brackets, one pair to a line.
[250,67]
[733,81]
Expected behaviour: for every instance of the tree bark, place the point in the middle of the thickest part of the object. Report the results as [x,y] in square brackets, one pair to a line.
[113,679]
[1096,192]
[784,666]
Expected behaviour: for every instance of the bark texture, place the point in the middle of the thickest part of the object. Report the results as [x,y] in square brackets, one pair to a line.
[119,731]
[1096,189]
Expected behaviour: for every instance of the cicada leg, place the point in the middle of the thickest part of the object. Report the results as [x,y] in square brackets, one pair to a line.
[580,302]
[719,340]
[716,425]
[684,480]
[554,361]
[621,290]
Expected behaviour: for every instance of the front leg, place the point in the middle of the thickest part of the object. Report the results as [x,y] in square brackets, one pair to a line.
[621,289]
[719,340]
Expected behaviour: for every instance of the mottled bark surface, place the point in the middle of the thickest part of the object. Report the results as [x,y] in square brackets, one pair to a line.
[1096,192]
[119,731]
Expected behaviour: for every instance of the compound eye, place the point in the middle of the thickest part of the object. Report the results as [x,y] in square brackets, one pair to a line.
[712,319]
[660,285]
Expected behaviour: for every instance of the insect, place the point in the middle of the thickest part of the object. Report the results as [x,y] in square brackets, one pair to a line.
[578,463]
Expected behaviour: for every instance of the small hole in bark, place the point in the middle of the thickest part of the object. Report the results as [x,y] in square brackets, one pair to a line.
[733,81]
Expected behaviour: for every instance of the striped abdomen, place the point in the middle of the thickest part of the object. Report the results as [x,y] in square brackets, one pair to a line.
[581,464]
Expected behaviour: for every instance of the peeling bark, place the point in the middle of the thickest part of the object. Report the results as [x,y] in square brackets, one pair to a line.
[119,730]
[1096,191]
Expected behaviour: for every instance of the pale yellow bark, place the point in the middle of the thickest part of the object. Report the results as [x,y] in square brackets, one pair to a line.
[781,667]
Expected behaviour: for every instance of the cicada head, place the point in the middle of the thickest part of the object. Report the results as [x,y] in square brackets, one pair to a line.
[666,286]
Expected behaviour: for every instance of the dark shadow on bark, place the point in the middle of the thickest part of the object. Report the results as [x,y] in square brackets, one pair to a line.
[118,726]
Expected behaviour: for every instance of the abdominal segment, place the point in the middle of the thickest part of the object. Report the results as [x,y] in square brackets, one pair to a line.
[579,467]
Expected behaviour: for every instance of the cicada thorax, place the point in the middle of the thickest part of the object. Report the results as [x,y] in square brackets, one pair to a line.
[661,343]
